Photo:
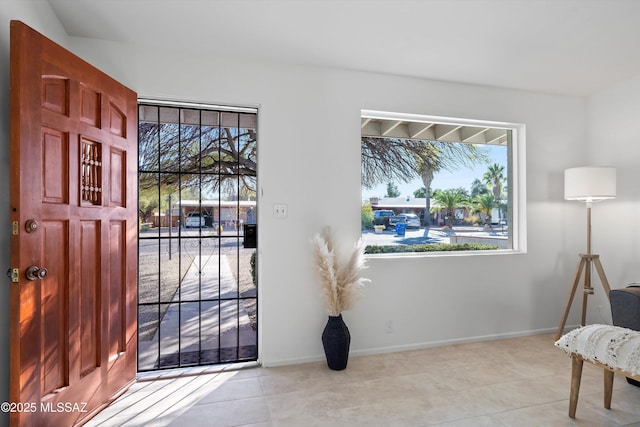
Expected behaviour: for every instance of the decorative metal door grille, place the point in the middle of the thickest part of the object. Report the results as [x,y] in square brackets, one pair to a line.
[91,172]
[197,288]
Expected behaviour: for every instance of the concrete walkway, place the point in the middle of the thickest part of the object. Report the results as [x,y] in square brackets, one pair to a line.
[191,327]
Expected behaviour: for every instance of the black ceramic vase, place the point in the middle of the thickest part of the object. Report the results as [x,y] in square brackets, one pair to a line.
[336,340]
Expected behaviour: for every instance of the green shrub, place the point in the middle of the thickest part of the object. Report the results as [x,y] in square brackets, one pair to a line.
[253,268]
[425,247]
[367,216]
[473,220]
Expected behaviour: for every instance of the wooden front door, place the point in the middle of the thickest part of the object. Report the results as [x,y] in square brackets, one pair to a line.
[73,243]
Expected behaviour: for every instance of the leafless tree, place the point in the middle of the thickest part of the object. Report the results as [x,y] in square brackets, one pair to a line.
[191,155]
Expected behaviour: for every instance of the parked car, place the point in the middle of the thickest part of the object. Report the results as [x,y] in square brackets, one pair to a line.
[412,220]
[194,219]
[382,217]
[397,219]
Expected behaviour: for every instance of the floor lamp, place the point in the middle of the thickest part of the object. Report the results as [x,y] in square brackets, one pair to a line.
[588,185]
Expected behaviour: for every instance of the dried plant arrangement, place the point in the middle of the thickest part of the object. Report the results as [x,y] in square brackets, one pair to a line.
[341,278]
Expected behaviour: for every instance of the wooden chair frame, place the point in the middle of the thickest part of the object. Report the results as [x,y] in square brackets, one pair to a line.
[576,373]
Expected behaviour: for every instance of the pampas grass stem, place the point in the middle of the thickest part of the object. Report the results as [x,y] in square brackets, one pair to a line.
[340,281]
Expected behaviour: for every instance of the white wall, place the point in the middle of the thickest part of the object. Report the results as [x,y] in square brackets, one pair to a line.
[613,129]
[309,152]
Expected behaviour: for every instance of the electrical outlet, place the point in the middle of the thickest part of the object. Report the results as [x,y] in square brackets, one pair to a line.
[388,326]
[280,210]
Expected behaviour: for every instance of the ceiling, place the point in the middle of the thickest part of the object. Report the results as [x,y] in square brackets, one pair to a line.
[571,47]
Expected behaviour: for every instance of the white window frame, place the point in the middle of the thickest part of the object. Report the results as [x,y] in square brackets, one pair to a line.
[516,179]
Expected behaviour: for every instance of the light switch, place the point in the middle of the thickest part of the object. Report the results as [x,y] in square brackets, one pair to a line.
[280,210]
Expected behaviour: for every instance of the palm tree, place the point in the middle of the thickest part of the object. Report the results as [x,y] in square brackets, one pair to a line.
[450,200]
[426,166]
[485,203]
[494,177]
[444,156]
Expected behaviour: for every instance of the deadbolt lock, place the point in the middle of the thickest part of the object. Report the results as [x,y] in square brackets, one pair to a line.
[31,225]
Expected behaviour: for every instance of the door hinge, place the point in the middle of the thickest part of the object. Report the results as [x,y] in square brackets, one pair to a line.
[14,275]
[15,228]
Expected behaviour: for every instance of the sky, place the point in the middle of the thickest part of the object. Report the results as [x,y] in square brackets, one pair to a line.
[444,180]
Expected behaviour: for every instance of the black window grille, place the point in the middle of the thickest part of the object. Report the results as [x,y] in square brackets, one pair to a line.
[197,287]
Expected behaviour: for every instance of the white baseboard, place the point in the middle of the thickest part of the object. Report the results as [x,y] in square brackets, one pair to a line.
[414,346]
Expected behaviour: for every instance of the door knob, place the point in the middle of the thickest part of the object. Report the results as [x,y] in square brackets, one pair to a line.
[35,273]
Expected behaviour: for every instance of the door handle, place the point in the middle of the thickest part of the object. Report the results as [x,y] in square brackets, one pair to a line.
[35,273]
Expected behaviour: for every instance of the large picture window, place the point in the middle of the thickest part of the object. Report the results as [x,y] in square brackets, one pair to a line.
[434,184]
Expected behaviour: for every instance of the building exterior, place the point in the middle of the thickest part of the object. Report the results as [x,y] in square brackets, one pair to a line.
[231,214]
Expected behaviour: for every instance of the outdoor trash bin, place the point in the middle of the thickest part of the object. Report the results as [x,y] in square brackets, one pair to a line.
[250,235]
[401,229]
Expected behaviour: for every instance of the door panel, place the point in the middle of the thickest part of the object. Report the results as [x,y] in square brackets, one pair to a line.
[89,296]
[73,151]
[55,162]
[117,275]
[53,308]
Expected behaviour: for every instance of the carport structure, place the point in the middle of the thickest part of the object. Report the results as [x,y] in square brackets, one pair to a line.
[389,125]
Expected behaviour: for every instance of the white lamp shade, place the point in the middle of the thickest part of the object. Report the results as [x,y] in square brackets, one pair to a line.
[590,183]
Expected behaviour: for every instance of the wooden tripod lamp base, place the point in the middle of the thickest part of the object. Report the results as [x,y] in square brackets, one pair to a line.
[584,267]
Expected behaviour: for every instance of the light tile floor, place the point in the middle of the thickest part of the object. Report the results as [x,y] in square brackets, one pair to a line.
[512,382]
